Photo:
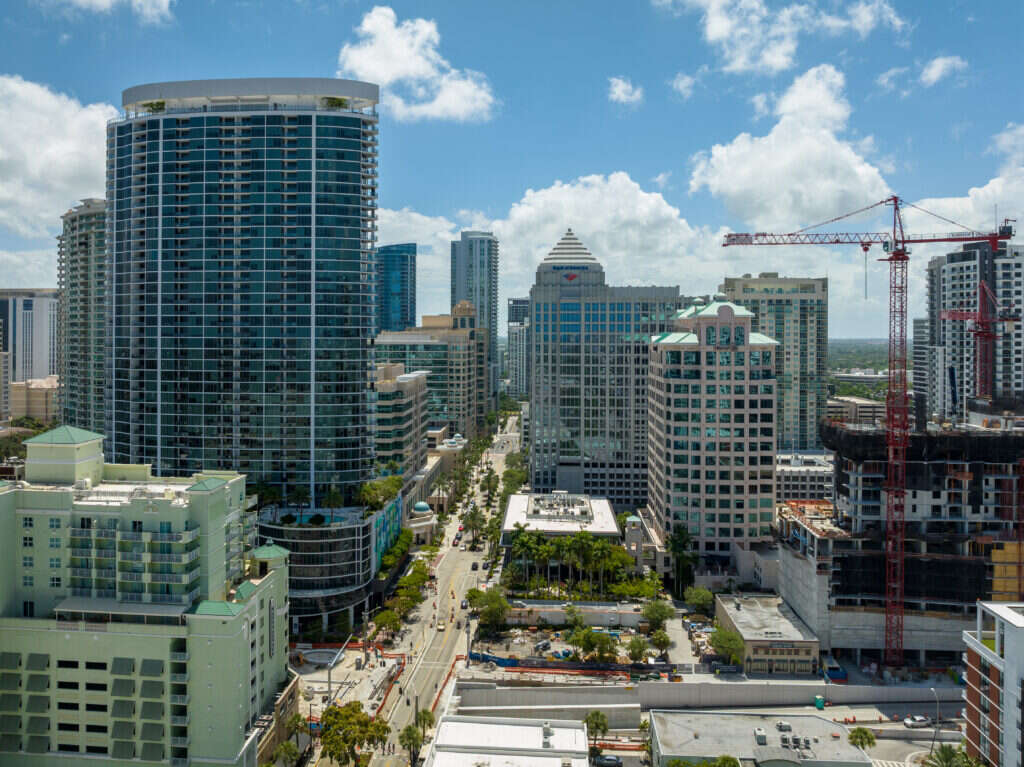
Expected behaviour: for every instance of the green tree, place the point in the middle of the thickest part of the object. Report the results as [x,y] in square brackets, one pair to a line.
[388,620]
[287,753]
[660,640]
[726,761]
[605,648]
[729,644]
[574,618]
[474,522]
[700,599]
[597,725]
[657,612]
[680,545]
[943,756]
[334,500]
[411,739]
[425,719]
[493,610]
[377,493]
[344,729]
[861,737]
[298,495]
[637,649]
[296,723]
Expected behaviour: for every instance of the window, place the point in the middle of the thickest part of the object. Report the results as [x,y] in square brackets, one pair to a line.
[64,705]
[67,685]
[96,686]
[27,562]
[100,707]
[27,581]
[28,609]
[27,542]
[54,581]
[67,664]
[28,522]
[55,562]
[68,746]
[93,665]
[55,543]
[95,728]
[738,335]
[54,523]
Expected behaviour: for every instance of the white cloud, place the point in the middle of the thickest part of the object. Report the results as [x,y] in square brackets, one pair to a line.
[622,91]
[29,268]
[1010,142]
[148,11]
[751,37]
[940,67]
[760,103]
[417,82]
[889,78]
[662,179]
[683,84]
[51,155]
[801,171]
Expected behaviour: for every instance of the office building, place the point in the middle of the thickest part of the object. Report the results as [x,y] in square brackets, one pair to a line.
[803,476]
[793,311]
[558,514]
[30,331]
[452,349]
[401,428]
[241,221]
[694,737]
[588,377]
[463,741]
[518,310]
[953,284]
[855,410]
[961,538]
[519,358]
[711,437]
[475,279]
[35,398]
[995,684]
[396,287]
[137,622]
[81,325]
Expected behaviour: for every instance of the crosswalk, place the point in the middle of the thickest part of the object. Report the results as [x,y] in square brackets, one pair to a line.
[886,763]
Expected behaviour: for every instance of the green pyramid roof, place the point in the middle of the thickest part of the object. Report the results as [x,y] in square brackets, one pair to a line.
[270,551]
[244,591]
[210,483]
[63,435]
[224,609]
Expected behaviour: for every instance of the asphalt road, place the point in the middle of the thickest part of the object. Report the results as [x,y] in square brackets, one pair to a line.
[433,651]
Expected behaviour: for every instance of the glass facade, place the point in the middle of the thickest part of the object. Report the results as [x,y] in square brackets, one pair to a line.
[474,278]
[396,286]
[240,290]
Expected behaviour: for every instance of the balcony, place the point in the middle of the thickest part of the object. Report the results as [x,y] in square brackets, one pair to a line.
[187,556]
[109,534]
[124,576]
[179,657]
[81,572]
[110,574]
[181,700]
[180,721]
[77,592]
[133,556]
[166,578]
[179,740]
[135,535]
[81,532]
[179,678]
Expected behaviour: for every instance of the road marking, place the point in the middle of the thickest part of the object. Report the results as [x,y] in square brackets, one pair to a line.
[887,763]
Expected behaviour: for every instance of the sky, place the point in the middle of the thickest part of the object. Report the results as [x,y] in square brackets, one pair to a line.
[650,127]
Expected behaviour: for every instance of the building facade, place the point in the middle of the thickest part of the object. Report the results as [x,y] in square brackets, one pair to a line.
[396,287]
[919,372]
[519,358]
[804,476]
[475,279]
[711,429]
[241,222]
[995,684]
[401,429]
[518,310]
[588,377]
[30,331]
[35,398]
[793,311]
[953,285]
[81,280]
[452,349]
[137,622]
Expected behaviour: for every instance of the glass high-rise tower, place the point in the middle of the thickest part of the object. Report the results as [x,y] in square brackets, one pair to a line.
[396,286]
[475,279]
[241,219]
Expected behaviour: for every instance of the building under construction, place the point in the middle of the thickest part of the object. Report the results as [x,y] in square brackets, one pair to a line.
[964,539]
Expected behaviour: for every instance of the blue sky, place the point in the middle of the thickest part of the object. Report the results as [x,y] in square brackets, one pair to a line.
[649,127]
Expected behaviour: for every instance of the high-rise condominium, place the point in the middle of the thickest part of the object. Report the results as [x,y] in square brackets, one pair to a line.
[519,358]
[793,311]
[396,286]
[518,310]
[30,331]
[240,228]
[475,279]
[81,278]
[711,437]
[588,377]
[953,285]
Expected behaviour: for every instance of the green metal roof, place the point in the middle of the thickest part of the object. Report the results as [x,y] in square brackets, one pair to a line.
[210,483]
[244,591]
[223,609]
[761,338]
[683,337]
[63,435]
[270,551]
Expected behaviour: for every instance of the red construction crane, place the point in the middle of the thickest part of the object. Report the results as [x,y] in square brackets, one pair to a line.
[985,319]
[897,427]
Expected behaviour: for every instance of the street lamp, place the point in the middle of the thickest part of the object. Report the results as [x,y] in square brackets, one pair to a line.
[935,727]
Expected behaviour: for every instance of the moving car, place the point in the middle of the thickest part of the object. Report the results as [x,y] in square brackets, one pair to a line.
[917,721]
[462,547]
[441,625]
[465,604]
[607,760]
[475,566]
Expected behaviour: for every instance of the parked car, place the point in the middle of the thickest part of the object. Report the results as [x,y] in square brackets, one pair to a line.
[462,547]
[916,721]
[542,646]
[607,760]
[475,566]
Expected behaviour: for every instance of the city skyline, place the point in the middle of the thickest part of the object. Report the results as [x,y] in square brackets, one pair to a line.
[651,195]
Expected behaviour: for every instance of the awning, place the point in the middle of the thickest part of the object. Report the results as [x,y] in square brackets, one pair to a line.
[38,661]
[10,681]
[151,731]
[10,660]
[123,688]
[38,725]
[123,749]
[152,710]
[122,666]
[152,752]
[123,709]
[10,702]
[37,704]
[152,690]
[10,743]
[38,683]
[10,723]
[124,730]
[152,667]
[37,745]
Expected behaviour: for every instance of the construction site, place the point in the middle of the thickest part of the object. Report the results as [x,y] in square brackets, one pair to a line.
[963,537]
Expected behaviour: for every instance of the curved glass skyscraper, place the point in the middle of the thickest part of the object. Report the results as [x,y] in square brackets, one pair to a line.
[241,221]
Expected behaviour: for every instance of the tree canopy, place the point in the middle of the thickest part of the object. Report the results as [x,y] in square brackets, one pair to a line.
[344,729]
[657,612]
[861,737]
[729,644]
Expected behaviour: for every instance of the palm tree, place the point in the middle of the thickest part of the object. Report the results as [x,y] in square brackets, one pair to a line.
[298,495]
[287,753]
[680,545]
[334,500]
[597,725]
[602,554]
[296,723]
[861,737]
[425,719]
[412,741]
[944,756]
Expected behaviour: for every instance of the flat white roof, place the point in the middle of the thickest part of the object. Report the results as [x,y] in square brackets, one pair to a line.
[560,514]
[468,741]
[765,618]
